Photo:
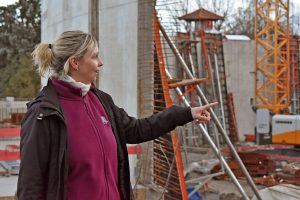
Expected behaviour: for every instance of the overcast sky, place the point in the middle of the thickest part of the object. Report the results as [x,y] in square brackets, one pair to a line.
[7,2]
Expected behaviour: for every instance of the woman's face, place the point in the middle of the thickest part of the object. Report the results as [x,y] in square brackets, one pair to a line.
[88,66]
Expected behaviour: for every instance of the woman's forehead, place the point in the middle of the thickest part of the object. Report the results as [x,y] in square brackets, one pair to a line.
[92,49]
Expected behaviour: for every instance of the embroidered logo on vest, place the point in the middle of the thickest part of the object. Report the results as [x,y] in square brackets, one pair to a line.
[104,120]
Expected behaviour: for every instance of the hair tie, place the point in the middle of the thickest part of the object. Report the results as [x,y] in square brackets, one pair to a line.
[50,46]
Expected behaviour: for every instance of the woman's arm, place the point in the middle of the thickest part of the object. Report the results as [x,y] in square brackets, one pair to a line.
[141,130]
[35,144]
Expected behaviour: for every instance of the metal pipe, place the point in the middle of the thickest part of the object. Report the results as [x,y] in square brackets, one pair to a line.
[194,73]
[215,148]
[215,95]
[219,90]
[214,117]
[198,187]
[212,80]
[221,158]
[177,89]
[192,63]
[205,177]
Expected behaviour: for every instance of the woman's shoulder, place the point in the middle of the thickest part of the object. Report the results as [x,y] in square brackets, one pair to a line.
[35,103]
[103,95]
[44,100]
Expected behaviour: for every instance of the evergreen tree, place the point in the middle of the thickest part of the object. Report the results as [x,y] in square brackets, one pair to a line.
[19,32]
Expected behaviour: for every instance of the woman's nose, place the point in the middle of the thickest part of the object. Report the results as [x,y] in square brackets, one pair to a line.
[100,63]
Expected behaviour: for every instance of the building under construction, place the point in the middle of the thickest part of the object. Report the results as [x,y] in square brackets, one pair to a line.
[155,58]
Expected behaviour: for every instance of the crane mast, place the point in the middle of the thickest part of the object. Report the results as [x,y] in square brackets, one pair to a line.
[272,59]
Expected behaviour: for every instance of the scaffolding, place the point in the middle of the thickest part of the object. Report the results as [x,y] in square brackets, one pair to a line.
[272,55]
[176,80]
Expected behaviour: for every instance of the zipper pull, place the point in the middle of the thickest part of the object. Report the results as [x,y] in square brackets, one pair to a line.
[40,117]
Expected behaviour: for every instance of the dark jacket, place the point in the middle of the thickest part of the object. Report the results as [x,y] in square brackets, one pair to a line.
[44,145]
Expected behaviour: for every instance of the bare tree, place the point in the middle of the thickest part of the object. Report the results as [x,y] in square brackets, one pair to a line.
[238,15]
[294,19]
[242,21]
[223,8]
[169,11]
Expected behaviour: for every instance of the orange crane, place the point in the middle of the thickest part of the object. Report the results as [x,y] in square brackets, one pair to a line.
[272,58]
[275,74]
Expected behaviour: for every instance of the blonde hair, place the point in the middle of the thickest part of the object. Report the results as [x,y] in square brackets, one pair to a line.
[55,56]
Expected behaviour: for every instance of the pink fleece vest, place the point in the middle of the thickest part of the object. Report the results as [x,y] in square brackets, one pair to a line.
[93,163]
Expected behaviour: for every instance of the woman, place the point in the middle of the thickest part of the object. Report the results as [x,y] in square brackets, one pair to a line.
[73,137]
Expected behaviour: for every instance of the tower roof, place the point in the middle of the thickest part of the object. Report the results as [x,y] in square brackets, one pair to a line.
[201,14]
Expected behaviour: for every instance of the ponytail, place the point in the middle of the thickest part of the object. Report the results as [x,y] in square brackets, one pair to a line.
[43,57]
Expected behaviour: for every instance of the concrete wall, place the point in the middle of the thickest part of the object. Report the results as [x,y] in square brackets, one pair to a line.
[239,63]
[58,16]
[118,47]
[118,42]
[145,58]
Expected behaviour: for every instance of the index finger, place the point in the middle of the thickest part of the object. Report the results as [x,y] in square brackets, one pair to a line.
[207,106]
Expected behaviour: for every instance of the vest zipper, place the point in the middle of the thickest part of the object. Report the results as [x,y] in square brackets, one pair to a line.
[101,146]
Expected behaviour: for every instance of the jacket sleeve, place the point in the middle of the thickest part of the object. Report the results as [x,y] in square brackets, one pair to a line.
[35,146]
[142,130]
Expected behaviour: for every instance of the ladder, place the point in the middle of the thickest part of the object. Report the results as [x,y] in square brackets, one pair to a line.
[214,45]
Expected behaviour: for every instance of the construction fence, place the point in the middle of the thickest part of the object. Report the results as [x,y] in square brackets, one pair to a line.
[12,111]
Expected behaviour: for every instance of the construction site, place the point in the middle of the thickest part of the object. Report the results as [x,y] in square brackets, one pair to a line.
[159,53]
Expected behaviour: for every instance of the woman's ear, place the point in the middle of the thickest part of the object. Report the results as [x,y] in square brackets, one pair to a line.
[73,63]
